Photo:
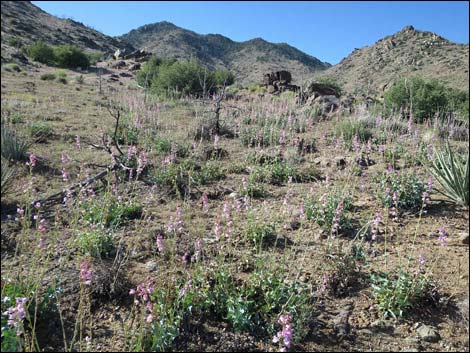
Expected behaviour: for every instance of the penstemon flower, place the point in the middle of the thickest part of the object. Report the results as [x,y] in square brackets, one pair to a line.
[443,236]
[86,272]
[17,314]
[286,334]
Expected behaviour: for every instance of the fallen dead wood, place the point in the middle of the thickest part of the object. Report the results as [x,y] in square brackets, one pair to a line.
[60,195]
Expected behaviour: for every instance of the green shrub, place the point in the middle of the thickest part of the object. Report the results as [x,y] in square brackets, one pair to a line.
[40,132]
[13,148]
[12,67]
[94,57]
[347,129]
[149,70]
[409,190]
[258,232]
[15,42]
[108,211]
[398,293]
[48,77]
[69,56]
[224,77]
[425,99]
[41,52]
[323,210]
[170,77]
[94,242]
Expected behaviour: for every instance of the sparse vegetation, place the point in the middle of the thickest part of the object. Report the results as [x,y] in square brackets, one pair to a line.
[149,219]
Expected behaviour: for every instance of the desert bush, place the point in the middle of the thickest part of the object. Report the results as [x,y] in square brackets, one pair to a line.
[425,99]
[397,293]
[94,242]
[409,189]
[108,211]
[347,129]
[13,148]
[224,77]
[12,67]
[329,211]
[41,52]
[15,42]
[180,177]
[40,131]
[170,77]
[48,77]
[70,56]
[452,173]
[94,57]
[258,231]
[256,304]
[149,71]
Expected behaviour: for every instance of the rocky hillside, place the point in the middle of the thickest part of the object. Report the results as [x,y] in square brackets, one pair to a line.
[371,69]
[248,60]
[27,23]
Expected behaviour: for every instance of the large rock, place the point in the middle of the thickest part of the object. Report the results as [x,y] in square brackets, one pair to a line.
[117,54]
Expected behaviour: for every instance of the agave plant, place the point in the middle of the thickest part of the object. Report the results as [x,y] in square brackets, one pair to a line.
[13,148]
[8,174]
[452,172]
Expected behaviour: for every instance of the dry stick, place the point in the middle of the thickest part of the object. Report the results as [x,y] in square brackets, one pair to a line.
[61,194]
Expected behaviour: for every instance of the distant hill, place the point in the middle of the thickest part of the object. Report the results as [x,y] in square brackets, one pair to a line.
[410,52]
[28,23]
[248,60]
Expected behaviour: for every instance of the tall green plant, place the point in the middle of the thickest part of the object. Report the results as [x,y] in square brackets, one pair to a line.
[13,147]
[452,173]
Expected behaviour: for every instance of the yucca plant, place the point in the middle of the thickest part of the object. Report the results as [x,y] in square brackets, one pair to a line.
[13,148]
[8,174]
[452,173]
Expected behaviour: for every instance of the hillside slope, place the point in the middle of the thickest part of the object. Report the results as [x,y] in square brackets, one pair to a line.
[28,23]
[410,52]
[249,60]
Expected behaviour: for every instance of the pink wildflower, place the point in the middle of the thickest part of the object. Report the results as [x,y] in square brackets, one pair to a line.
[17,314]
[286,334]
[32,160]
[42,226]
[159,241]
[443,236]
[86,272]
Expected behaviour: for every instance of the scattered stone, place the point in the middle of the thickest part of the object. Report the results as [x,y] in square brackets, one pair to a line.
[463,238]
[151,265]
[428,333]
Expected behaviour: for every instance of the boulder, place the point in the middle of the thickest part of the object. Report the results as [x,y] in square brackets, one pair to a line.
[119,65]
[134,67]
[117,54]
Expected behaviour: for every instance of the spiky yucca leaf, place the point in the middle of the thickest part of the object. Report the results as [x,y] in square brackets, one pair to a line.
[452,173]
[8,174]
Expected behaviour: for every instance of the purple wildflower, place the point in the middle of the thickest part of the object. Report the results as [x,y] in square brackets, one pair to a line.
[86,272]
[286,334]
[159,241]
[17,314]
[32,160]
[443,236]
